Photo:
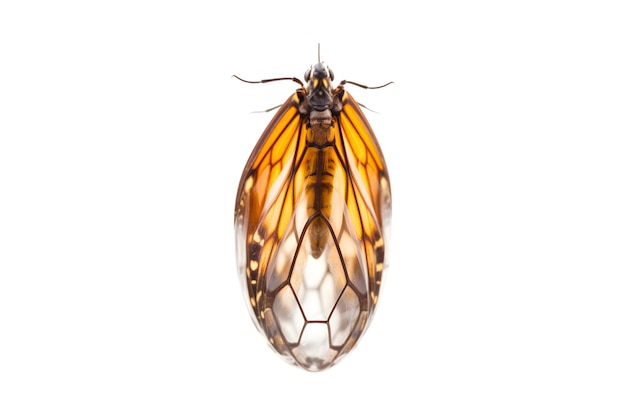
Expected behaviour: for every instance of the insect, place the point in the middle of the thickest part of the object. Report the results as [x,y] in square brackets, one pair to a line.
[312,218]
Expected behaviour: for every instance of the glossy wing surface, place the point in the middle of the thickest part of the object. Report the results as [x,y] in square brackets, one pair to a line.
[368,194]
[265,199]
[311,223]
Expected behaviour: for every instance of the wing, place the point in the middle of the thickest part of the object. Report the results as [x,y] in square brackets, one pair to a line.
[311,214]
[368,193]
[265,198]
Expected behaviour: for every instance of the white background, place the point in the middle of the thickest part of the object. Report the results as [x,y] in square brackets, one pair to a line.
[122,140]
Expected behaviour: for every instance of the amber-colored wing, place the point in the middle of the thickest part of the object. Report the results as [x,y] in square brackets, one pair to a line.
[368,193]
[265,198]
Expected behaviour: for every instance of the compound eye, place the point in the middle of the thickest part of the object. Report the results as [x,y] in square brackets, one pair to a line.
[307,75]
[330,73]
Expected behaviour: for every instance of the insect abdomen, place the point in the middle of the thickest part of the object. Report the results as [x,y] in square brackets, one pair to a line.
[321,164]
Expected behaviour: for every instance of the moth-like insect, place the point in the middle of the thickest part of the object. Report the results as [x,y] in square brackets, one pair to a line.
[312,218]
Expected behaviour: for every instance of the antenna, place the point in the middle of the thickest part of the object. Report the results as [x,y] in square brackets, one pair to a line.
[318,53]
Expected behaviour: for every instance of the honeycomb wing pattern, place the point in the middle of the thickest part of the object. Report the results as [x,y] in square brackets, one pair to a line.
[313,304]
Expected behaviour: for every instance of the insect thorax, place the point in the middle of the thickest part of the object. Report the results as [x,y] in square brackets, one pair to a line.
[322,131]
